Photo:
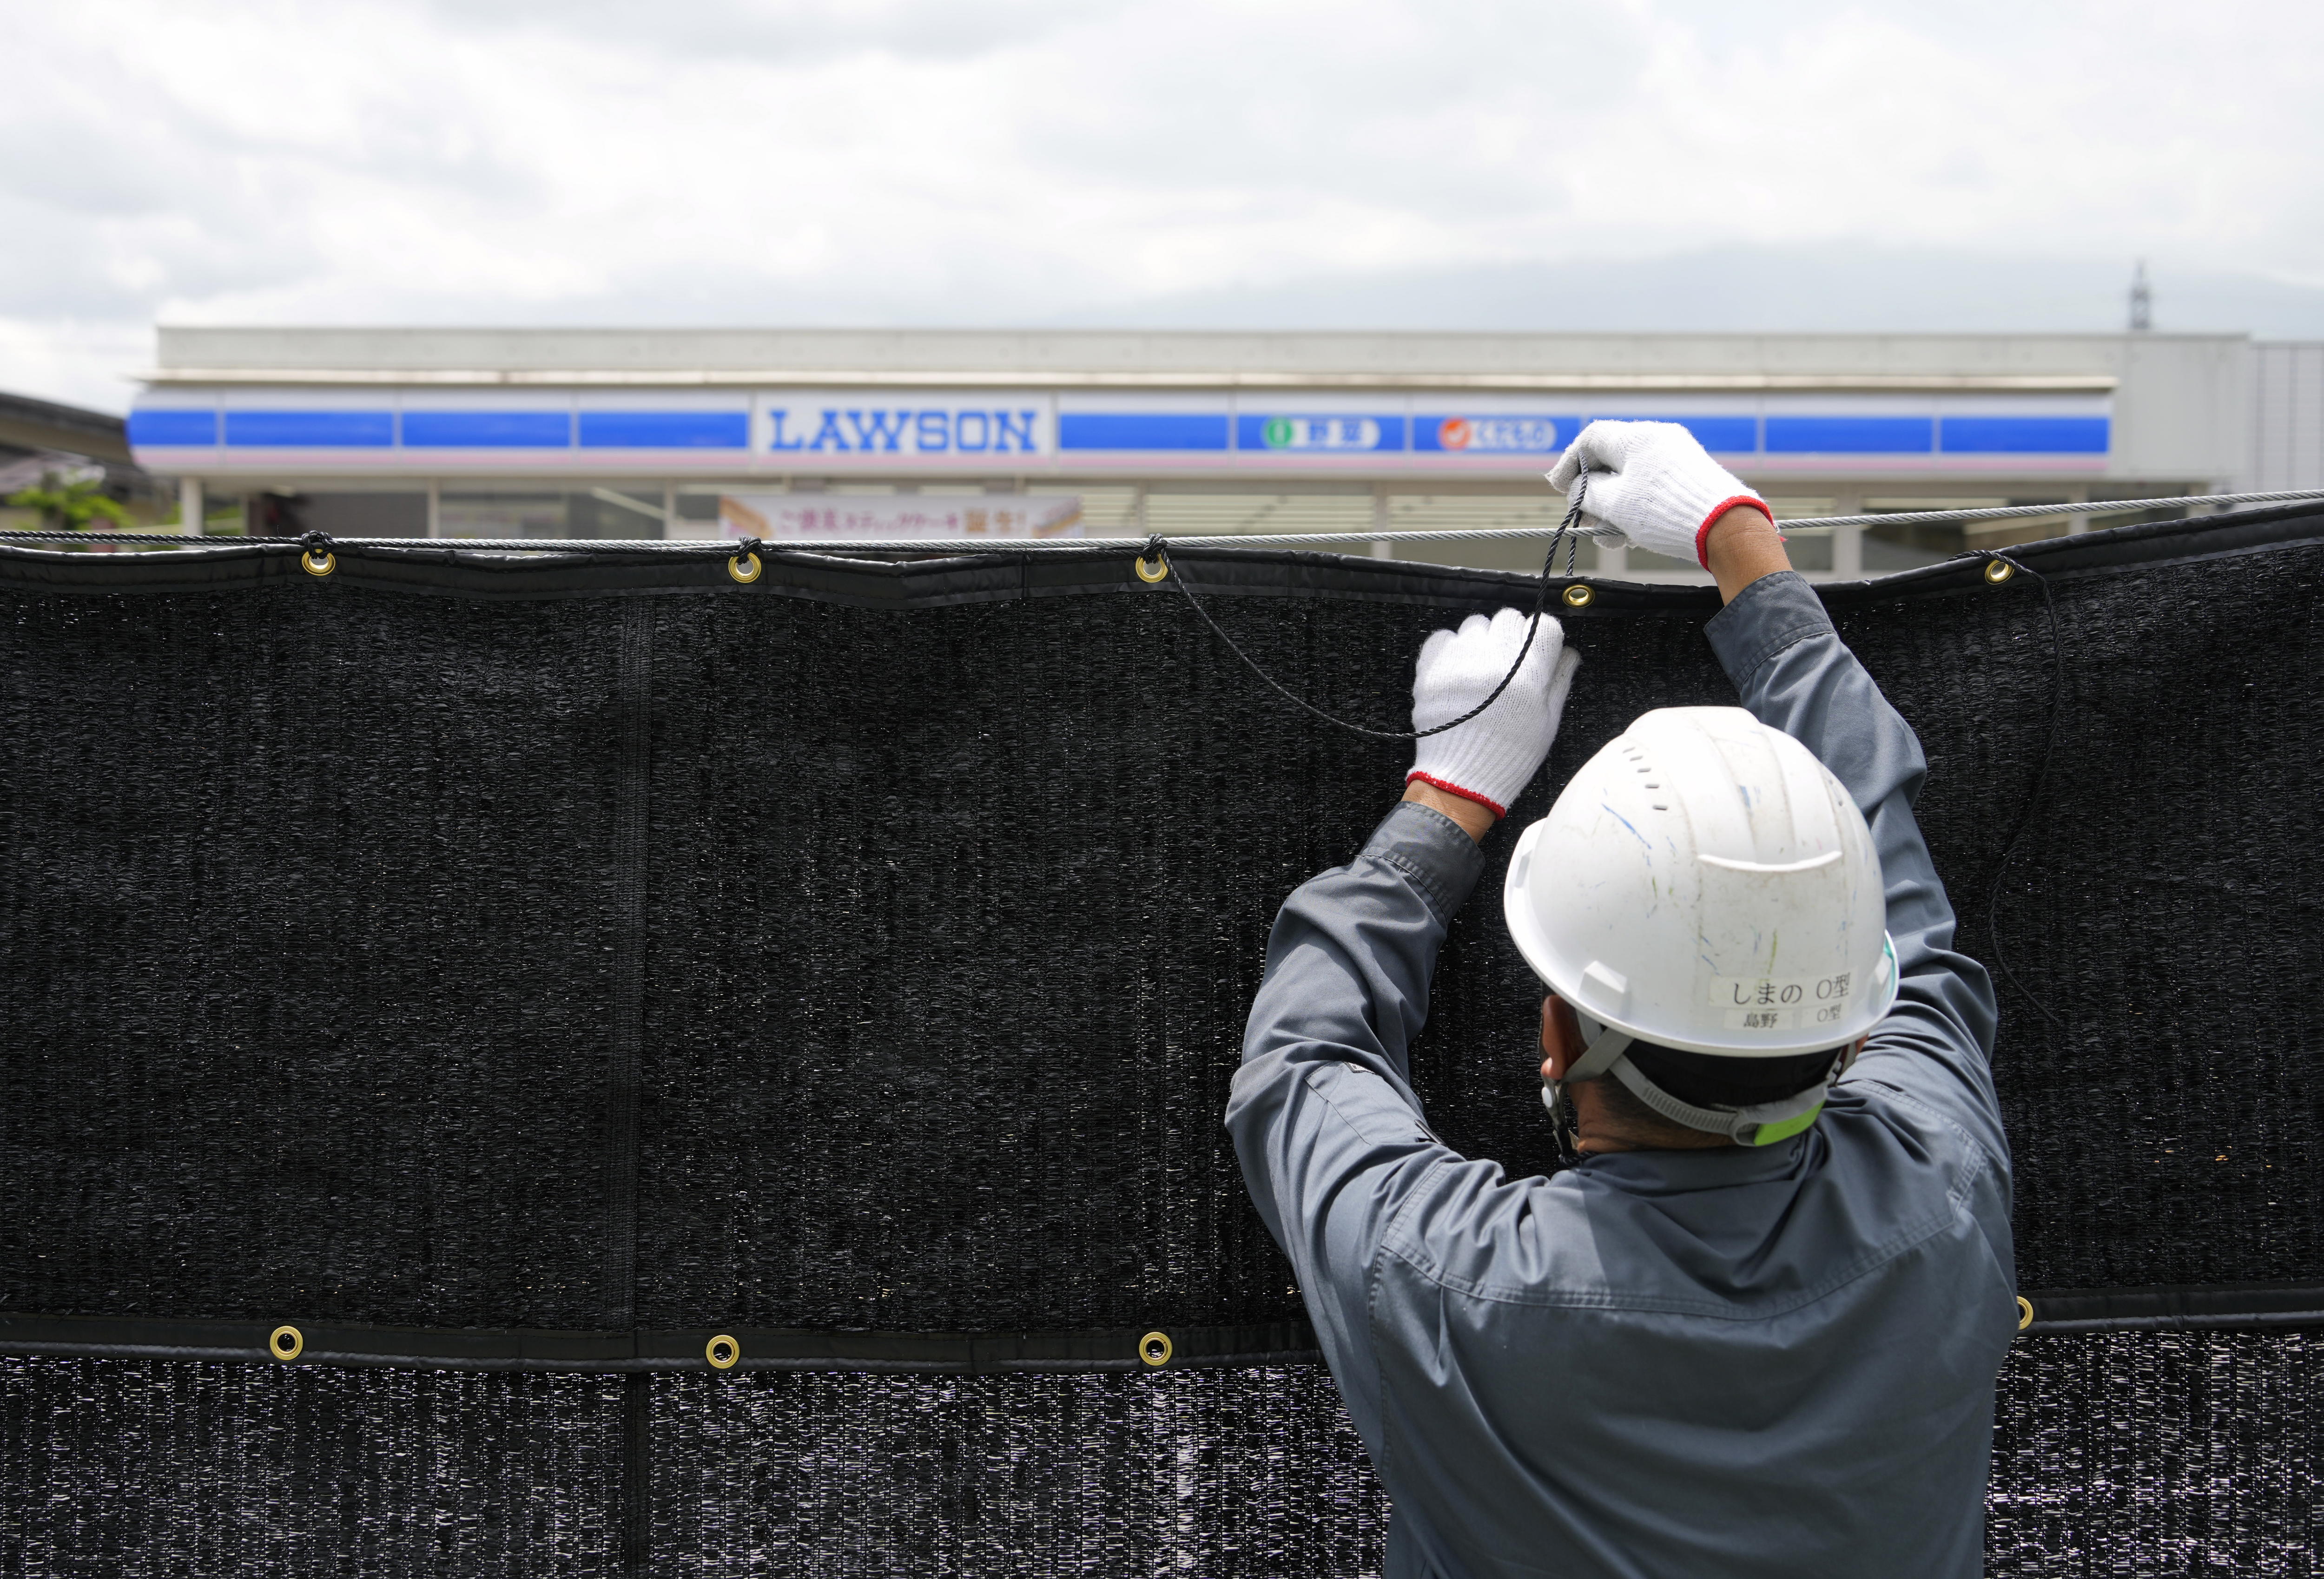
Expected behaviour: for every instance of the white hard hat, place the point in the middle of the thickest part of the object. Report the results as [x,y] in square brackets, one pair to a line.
[1704,884]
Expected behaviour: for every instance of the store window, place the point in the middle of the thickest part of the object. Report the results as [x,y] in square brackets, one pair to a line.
[1540,511]
[1192,512]
[286,514]
[1810,549]
[625,512]
[1907,546]
[1898,546]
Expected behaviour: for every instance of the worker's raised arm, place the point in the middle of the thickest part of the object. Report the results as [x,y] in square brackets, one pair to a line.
[1794,673]
[1324,1120]
[1652,481]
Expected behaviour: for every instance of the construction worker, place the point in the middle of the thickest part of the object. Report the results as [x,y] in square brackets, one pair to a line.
[1755,1329]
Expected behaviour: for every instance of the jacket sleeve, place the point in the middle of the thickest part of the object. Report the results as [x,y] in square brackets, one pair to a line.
[1778,646]
[1323,1113]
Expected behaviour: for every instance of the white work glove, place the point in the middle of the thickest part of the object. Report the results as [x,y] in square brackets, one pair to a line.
[1654,483]
[1491,758]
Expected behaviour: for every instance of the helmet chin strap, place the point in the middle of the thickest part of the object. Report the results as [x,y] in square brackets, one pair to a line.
[1602,1045]
[1757,1123]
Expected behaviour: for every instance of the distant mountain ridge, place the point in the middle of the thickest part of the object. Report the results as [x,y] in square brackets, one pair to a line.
[1795,289]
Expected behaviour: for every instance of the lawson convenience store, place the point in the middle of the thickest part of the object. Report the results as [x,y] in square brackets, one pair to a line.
[825,434]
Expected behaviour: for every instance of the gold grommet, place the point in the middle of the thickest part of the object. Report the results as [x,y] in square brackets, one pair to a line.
[1154,1348]
[1997,571]
[315,564]
[735,567]
[1161,569]
[286,1343]
[721,1352]
[2024,1313]
[1578,596]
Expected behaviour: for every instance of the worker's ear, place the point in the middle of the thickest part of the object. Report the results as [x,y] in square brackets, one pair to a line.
[1560,1037]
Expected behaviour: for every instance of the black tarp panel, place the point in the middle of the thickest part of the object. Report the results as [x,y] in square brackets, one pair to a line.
[155,1469]
[308,915]
[1228,1473]
[2146,1453]
[2162,1453]
[590,945]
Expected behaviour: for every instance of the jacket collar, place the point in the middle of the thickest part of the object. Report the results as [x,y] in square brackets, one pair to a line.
[1657,1172]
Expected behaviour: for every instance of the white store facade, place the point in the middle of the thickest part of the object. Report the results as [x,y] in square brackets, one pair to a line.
[824,433]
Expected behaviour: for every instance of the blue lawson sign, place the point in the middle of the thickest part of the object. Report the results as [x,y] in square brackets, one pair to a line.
[1721,435]
[172,428]
[431,429]
[779,430]
[2024,435]
[1851,436]
[853,428]
[1327,435]
[1142,432]
[487,430]
[310,430]
[1499,435]
[665,430]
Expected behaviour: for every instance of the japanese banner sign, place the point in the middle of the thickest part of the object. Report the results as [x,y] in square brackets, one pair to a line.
[843,516]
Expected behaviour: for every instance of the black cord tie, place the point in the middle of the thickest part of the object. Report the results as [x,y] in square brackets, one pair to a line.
[2041,772]
[1533,625]
[315,544]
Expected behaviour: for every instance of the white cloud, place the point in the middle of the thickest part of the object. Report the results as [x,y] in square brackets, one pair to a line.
[1012,160]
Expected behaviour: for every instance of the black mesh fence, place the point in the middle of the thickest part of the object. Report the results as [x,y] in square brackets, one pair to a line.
[1248,1471]
[591,945]
[156,1468]
[2158,1453]
[2162,1453]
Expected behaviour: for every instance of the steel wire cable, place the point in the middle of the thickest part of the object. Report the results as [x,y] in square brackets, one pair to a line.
[1157,548]
[727,546]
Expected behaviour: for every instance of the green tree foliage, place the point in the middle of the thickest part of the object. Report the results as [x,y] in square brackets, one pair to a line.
[71,503]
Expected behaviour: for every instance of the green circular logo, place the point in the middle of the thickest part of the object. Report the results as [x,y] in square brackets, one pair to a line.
[1278,433]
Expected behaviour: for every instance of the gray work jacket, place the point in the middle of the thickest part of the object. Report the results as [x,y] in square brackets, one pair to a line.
[1769,1362]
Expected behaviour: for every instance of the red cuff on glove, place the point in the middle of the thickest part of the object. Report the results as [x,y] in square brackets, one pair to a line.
[1720,508]
[1495,807]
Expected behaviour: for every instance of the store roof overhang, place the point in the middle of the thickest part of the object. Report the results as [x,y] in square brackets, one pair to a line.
[829,378]
[1349,360]
[45,425]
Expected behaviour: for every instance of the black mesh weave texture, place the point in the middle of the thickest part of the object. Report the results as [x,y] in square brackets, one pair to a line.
[950,918]
[2158,1453]
[2151,1453]
[2163,907]
[2116,1454]
[1231,1474]
[156,1469]
[729,959]
[307,906]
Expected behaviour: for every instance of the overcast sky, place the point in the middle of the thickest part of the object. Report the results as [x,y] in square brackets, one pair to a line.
[984,161]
